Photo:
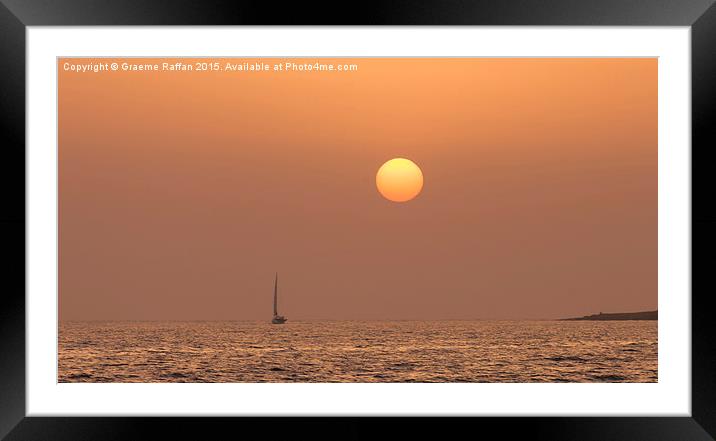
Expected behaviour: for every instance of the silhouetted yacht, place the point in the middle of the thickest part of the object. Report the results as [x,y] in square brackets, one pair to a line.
[277,319]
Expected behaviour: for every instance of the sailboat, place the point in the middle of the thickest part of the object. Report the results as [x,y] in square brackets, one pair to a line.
[277,319]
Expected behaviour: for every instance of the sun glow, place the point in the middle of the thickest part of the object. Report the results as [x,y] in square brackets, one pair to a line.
[399,180]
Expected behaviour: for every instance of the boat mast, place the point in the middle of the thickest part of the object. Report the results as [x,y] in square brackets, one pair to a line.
[275,296]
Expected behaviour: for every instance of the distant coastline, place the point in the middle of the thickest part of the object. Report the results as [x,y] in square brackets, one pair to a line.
[644,315]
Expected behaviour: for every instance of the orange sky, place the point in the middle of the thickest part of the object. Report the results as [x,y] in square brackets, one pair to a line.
[181,193]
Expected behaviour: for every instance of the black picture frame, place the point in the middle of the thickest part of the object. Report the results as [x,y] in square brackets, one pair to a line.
[16,15]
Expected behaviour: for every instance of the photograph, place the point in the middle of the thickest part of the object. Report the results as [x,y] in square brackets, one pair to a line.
[357,220]
[396,218]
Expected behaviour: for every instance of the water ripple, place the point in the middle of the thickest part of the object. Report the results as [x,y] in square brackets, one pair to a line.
[353,351]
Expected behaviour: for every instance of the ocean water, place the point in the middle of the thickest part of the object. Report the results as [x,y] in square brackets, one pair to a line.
[358,351]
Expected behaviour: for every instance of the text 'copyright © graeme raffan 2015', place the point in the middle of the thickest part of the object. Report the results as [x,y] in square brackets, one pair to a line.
[209,65]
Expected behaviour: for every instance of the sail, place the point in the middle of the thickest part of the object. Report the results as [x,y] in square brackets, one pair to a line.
[275,296]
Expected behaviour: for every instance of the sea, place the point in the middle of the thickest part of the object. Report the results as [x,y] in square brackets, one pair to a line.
[359,352]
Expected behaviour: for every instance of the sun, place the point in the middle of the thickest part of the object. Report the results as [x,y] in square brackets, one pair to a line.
[399,180]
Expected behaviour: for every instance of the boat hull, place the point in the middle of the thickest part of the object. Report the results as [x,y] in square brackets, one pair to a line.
[278,320]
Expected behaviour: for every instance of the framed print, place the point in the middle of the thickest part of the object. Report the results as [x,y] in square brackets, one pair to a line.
[384,215]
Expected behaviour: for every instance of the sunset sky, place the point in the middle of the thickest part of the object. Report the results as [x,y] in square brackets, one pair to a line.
[182,193]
